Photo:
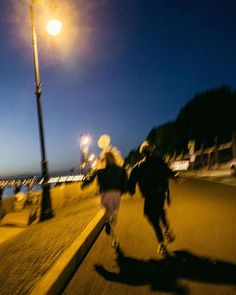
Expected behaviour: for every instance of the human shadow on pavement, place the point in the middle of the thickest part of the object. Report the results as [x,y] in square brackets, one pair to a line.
[164,274]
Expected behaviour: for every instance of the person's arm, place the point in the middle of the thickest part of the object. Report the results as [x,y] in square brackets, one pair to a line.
[168,194]
[124,179]
[133,178]
[169,173]
[88,179]
[172,174]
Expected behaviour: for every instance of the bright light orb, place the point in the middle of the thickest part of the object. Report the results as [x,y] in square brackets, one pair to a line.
[104,141]
[85,140]
[53,27]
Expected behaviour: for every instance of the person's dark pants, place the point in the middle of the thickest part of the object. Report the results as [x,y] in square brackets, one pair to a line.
[155,212]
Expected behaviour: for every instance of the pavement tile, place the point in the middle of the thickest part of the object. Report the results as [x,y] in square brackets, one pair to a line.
[28,256]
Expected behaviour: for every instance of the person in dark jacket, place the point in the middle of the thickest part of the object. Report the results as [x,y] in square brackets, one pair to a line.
[113,182]
[152,175]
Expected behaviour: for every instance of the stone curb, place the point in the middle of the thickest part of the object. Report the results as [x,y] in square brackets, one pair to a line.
[55,280]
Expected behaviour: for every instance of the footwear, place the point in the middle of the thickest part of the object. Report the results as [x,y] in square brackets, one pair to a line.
[162,249]
[170,236]
[107,227]
[115,243]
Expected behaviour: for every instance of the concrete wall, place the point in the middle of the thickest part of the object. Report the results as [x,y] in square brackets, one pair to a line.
[7,205]
[69,193]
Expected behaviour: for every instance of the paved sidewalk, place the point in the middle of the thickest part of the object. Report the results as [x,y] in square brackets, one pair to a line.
[218,176]
[27,257]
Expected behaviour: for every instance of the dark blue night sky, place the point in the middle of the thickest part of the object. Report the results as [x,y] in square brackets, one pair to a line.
[118,67]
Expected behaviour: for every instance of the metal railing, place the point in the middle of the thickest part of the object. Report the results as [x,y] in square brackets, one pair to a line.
[38,180]
[210,156]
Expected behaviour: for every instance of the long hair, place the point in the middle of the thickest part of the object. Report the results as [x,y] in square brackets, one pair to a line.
[108,156]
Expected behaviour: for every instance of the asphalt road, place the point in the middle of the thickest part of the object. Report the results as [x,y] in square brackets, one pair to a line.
[203,217]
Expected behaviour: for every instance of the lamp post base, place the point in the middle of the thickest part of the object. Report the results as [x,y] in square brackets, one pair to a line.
[45,216]
[46,212]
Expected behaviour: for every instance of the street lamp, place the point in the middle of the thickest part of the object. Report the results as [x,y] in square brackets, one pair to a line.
[53,27]
[85,141]
[46,210]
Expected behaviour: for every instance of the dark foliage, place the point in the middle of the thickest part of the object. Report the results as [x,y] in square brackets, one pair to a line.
[207,117]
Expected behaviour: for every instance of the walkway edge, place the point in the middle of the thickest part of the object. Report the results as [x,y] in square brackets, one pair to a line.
[54,281]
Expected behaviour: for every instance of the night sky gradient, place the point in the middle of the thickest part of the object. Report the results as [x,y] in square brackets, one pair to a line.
[118,67]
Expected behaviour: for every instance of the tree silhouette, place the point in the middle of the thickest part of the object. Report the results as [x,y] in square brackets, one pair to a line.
[209,115]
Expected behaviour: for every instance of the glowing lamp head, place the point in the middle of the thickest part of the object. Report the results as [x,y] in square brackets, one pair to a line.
[53,27]
[85,140]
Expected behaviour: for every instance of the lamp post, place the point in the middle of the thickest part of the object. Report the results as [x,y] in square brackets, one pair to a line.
[46,210]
